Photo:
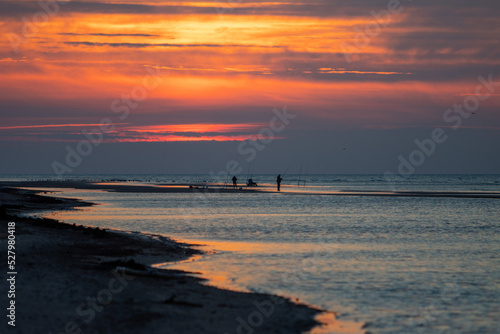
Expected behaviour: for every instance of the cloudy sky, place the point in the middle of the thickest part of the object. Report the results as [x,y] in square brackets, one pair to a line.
[159,86]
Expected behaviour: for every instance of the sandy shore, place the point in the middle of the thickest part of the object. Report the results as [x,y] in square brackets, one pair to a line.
[202,189]
[72,279]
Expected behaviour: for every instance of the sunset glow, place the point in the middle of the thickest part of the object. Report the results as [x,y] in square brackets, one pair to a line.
[250,166]
[229,62]
[175,71]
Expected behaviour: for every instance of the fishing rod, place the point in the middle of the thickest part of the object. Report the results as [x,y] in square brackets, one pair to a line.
[299,181]
[300,173]
[307,170]
[227,172]
[248,169]
[286,171]
[249,174]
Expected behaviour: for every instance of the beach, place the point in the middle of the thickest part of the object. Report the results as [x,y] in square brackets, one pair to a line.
[352,252]
[72,279]
[244,167]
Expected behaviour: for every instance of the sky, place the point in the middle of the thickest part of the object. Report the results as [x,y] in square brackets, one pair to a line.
[380,87]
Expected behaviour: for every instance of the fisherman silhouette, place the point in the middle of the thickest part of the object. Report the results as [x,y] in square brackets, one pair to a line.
[278,181]
[234,182]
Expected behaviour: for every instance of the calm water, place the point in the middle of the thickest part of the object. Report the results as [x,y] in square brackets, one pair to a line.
[401,264]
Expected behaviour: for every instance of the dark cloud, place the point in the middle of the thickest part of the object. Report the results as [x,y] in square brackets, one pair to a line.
[146,45]
[320,8]
[108,35]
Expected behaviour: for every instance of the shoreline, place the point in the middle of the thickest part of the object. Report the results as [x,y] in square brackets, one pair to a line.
[177,188]
[81,262]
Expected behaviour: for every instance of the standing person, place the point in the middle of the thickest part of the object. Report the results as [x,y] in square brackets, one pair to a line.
[234,182]
[278,181]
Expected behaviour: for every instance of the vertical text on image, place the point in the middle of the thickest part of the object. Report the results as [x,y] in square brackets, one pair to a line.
[11,273]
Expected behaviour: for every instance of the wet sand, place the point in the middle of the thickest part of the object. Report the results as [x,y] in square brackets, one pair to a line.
[73,279]
[209,189]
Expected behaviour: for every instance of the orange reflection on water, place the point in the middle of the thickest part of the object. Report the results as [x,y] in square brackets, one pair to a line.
[219,272]
[226,275]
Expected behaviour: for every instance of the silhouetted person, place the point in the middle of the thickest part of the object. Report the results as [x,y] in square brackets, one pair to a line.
[278,181]
[234,182]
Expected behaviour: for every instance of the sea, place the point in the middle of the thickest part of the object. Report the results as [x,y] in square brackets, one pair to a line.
[345,243]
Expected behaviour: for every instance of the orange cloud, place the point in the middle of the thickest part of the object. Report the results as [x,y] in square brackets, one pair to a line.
[197,128]
[48,126]
[174,138]
[233,65]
